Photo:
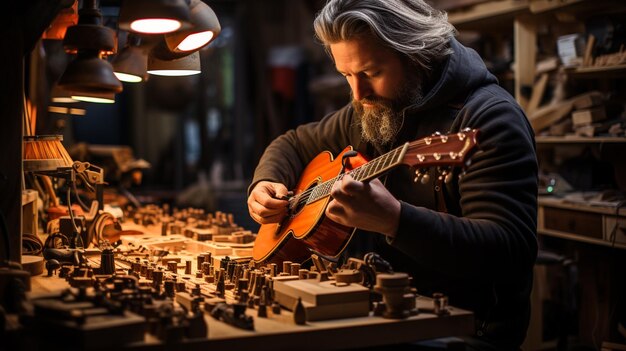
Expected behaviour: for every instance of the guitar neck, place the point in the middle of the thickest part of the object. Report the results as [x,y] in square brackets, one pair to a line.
[373,169]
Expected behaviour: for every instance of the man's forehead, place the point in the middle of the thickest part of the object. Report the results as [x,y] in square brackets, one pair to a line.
[358,53]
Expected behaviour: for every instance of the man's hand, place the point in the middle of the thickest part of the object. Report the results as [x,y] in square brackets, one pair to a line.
[369,206]
[264,202]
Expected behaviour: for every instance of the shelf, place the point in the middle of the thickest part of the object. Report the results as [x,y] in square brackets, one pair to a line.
[549,201]
[579,140]
[573,7]
[591,222]
[487,15]
[594,72]
[580,238]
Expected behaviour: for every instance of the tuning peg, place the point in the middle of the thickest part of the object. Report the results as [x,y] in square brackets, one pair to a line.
[445,174]
[436,134]
[418,175]
[422,176]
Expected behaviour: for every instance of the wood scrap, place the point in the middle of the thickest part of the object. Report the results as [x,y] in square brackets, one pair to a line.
[588,116]
[588,100]
[547,65]
[588,55]
[561,128]
[545,116]
[539,88]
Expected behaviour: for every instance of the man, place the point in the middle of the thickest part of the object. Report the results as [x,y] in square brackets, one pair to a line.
[473,238]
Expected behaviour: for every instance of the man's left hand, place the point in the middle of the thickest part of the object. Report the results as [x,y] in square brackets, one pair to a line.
[368,206]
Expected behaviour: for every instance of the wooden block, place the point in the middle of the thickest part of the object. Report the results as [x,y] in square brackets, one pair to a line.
[326,312]
[241,252]
[548,65]
[218,249]
[539,89]
[588,116]
[587,100]
[323,300]
[588,56]
[585,130]
[595,129]
[545,116]
[561,128]
[320,293]
[32,264]
[199,234]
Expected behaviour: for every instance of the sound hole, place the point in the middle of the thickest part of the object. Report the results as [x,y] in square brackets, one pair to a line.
[298,203]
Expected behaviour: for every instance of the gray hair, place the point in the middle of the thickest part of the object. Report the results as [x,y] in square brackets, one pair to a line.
[411,27]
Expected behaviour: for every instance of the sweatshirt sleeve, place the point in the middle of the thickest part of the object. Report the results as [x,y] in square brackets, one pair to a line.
[496,232]
[286,157]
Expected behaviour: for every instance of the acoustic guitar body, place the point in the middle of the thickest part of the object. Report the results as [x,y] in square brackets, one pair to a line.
[293,239]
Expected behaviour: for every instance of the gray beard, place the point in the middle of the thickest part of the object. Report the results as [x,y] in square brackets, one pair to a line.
[380,124]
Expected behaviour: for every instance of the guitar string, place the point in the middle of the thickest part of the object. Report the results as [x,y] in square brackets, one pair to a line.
[356,173]
[324,187]
[305,195]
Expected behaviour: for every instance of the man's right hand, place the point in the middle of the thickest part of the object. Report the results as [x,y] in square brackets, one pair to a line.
[264,202]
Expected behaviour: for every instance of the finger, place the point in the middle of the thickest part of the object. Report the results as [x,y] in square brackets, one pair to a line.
[351,186]
[343,190]
[280,190]
[271,219]
[336,212]
[268,201]
[265,212]
[263,216]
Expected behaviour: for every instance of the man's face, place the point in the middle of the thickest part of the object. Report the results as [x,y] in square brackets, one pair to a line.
[381,84]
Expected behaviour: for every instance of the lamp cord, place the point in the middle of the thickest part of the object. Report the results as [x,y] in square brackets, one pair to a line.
[77,236]
[80,201]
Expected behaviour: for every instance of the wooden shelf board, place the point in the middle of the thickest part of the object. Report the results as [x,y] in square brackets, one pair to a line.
[581,238]
[574,7]
[598,72]
[578,140]
[548,201]
[540,6]
[487,14]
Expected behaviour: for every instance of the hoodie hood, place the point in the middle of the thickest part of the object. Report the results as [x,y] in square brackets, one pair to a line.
[463,71]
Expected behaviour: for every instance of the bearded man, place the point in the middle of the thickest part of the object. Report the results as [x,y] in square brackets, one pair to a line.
[472,238]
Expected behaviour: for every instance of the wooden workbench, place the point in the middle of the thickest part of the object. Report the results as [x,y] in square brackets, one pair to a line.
[278,332]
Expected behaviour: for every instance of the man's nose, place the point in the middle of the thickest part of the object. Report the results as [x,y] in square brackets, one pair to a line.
[360,89]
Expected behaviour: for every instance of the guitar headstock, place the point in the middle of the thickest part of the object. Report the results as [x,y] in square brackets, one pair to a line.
[442,150]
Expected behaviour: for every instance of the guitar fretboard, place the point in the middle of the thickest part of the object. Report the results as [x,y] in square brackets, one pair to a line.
[365,172]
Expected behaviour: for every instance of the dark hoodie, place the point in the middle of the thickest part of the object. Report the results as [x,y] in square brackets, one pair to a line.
[481,252]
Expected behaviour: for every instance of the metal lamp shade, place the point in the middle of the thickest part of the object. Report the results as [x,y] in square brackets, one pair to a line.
[90,74]
[206,27]
[60,95]
[184,66]
[90,37]
[89,33]
[131,65]
[100,98]
[154,16]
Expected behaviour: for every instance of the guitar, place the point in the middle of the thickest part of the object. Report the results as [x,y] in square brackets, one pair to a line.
[306,230]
